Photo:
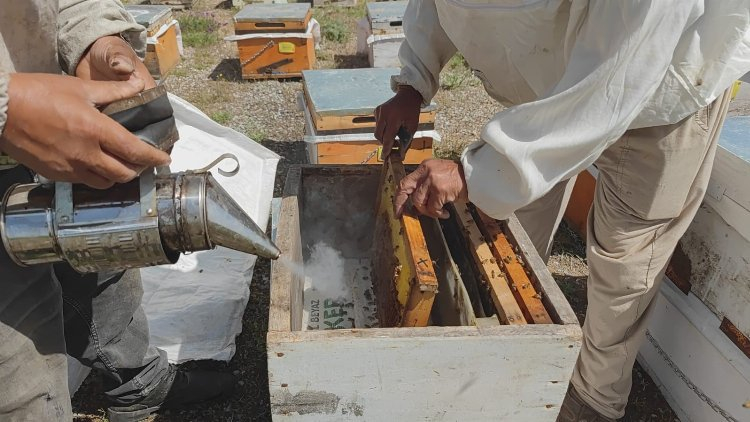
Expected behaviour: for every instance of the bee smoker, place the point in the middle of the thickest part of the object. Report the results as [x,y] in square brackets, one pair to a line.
[148,221]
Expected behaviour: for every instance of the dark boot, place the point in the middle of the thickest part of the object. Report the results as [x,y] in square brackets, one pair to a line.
[574,409]
[178,389]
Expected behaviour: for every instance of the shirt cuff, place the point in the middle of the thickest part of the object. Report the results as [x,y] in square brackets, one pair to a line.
[405,79]
[4,78]
[79,32]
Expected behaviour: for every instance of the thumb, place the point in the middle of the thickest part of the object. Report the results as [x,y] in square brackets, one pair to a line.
[121,63]
[105,92]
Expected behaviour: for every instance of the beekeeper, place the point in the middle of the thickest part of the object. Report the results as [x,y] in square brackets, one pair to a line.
[49,125]
[636,88]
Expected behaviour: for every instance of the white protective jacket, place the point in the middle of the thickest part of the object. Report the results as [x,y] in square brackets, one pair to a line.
[575,74]
[50,36]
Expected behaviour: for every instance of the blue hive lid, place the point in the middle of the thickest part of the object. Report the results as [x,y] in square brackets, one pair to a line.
[346,92]
[279,12]
[148,15]
[386,11]
[735,136]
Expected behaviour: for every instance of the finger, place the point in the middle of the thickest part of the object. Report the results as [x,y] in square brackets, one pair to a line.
[94,180]
[387,146]
[123,145]
[389,135]
[406,187]
[102,93]
[420,196]
[435,204]
[113,169]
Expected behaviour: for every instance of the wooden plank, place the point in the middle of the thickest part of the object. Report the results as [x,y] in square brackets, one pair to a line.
[507,309]
[285,308]
[404,278]
[554,300]
[502,373]
[358,152]
[452,306]
[523,289]
[684,334]
[325,123]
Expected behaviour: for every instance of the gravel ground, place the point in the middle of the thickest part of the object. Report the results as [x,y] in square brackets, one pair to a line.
[266,111]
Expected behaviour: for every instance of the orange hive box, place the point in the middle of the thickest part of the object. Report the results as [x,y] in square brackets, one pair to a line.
[274,40]
[162,47]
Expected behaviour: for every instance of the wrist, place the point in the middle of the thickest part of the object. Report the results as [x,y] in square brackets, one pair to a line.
[408,91]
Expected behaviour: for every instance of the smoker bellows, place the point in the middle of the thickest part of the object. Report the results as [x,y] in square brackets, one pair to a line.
[146,222]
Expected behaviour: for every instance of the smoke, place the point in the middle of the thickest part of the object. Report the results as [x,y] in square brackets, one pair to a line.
[326,272]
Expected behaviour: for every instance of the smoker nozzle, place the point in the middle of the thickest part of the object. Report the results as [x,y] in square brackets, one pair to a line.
[196,213]
[148,222]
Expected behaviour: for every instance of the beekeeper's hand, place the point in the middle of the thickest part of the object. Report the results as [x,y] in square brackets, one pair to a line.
[112,59]
[432,185]
[54,128]
[400,111]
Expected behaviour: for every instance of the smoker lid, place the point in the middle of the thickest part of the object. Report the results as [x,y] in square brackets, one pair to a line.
[281,12]
[346,92]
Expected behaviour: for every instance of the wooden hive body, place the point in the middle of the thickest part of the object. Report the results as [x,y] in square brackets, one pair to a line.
[465,365]
[162,50]
[339,106]
[274,40]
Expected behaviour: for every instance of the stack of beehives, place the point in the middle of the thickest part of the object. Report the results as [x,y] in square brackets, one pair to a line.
[380,35]
[339,107]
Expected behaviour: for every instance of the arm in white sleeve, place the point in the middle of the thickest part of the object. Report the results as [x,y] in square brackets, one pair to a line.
[81,22]
[620,56]
[425,50]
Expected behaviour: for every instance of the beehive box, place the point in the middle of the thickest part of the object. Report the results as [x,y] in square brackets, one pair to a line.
[174,4]
[162,46]
[464,366]
[339,106]
[384,33]
[274,40]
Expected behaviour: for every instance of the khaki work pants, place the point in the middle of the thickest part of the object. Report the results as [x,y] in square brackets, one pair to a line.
[651,183]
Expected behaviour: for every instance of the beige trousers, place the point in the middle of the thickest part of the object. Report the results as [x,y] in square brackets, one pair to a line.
[650,185]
